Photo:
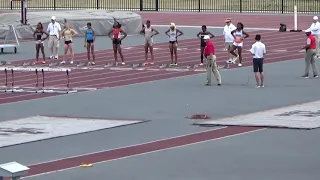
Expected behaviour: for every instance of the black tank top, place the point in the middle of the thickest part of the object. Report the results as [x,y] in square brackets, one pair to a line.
[38,34]
[202,34]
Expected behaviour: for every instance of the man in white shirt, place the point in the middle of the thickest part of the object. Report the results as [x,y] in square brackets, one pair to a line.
[258,50]
[54,30]
[228,38]
[315,31]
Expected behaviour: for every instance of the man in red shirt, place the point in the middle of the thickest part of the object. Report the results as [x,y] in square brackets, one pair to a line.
[209,53]
[310,48]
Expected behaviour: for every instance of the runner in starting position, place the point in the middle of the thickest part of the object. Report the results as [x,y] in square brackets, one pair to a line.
[89,40]
[38,33]
[148,33]
[200,35]
[239,35]
[116,41]
[173,33]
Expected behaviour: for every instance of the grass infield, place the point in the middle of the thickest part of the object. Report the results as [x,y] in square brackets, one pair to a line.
[175,5]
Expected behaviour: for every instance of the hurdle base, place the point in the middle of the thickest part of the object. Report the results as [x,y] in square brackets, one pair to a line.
[52,91]
[57,91]
[298,30]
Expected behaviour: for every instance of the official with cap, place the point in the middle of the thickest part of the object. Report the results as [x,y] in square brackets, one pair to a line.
[315,31]
[54,30]
[209,54]
[310,48]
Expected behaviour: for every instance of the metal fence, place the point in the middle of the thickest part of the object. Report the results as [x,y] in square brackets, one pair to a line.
[267,6]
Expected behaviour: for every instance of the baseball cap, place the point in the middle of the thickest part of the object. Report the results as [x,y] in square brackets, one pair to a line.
[53,18]
[172,24]
[228,19]
[315,18]
[206,37]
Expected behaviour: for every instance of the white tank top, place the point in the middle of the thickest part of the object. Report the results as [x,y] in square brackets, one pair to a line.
[173,35]
[147,33]
[238,34]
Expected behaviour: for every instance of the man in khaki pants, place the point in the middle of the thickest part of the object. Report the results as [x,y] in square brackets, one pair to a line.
[310,48]
[54,30]
[211,61]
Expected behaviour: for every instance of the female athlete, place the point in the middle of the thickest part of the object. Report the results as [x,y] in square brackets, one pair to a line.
[37,34]
[200,35]
[239,35]
[173,33]
[89,40]
[116,41]
[67,34]
[148,33]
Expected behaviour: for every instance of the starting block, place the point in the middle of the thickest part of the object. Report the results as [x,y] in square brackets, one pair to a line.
[138,65]
[110,65]
[81,64]
[164,66]
[27,64]
[4,63]
[225,66]
[53,64]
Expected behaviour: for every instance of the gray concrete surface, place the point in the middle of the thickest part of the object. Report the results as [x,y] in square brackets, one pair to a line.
[286,87]
[284,155]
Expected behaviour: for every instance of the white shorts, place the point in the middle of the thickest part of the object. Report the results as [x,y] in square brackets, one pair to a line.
[238,44]
[148,41]
[39,42]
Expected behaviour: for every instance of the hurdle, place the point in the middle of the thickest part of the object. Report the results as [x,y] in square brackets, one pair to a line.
[39,86]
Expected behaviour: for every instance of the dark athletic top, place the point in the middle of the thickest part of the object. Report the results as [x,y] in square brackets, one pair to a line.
[38,34]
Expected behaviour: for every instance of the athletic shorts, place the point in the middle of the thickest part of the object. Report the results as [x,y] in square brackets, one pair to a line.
[67,42]
[238,44]
[116,41]
[257,64]
[39,42]
[173,42]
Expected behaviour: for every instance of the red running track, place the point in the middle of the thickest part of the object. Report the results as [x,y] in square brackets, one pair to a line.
[276,42]
[218,19]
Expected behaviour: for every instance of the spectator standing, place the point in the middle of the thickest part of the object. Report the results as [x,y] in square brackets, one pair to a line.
[54,30]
